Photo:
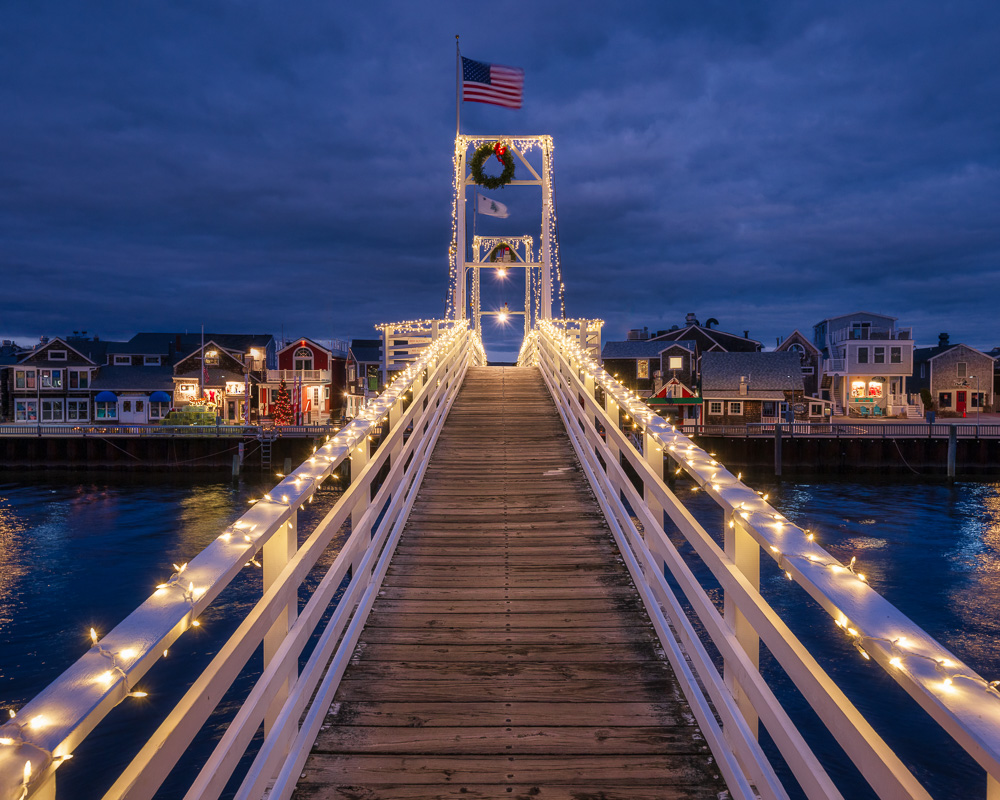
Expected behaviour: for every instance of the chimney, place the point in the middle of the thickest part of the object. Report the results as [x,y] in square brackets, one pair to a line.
[177,343]
[943,340]
[638,334]
[690,319]
[743,385]
[746,334]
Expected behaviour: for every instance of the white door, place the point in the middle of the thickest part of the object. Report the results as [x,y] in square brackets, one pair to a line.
[132,410]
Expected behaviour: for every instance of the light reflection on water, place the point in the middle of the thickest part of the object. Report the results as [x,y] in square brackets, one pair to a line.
[77,553]
[934,552]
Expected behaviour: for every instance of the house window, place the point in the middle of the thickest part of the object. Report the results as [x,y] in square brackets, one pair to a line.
[896,355]
[51,378]
[875,389]
[715,407]
[107,410]
[857,389]
[923,370]
[212,358]
[78,379]
[350,373]
[736,409]
[57,355]
[20,381]
[642,367]
[303,359]
[808,370]
[963,370]
[815,409]
[372,378]
[860,330]
[879,355]
[158,410]
[52,410]
[862,355]
[123,361]
[25,410]
[151,361]
[944,400]
[77,410]
[676,362]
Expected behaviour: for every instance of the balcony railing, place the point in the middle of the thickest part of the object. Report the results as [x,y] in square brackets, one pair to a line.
[871,334]
[305,375]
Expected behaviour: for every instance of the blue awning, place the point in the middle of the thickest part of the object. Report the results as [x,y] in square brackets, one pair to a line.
[159,397]
[106,397]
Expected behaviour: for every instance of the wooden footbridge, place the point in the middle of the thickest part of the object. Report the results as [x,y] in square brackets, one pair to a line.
[508,650]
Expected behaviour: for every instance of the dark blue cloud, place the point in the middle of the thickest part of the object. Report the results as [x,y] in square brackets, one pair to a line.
[253,165]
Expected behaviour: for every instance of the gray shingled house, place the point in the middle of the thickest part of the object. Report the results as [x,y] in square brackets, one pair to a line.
[740,388]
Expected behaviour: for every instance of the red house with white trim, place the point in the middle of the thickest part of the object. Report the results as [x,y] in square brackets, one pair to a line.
[315,378]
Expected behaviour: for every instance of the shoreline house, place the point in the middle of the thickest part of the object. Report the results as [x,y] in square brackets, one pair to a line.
[51,383]
[959,377]
[364,374]
[743,388]
[811,364]
[867,359]
[315,377]
[660,371]
[706,339]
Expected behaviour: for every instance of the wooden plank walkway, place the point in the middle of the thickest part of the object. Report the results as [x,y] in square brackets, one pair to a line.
[508,654]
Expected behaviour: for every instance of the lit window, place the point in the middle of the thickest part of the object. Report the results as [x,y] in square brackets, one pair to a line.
[642,367]
[857,388]
[875,389]
[736,409]
[676,362]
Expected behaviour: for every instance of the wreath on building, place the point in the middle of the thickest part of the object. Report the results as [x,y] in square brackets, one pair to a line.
[483,152]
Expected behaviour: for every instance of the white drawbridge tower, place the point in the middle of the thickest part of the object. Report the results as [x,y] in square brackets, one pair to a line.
[543,274]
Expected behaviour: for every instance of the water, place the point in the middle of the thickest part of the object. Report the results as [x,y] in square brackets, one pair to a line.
[931,550]
[77,553]
[80,553]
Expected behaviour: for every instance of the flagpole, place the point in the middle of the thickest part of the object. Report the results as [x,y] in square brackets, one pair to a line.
[201,375]
[458,86]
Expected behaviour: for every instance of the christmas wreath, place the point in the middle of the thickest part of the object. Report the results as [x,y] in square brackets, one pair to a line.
[483,152]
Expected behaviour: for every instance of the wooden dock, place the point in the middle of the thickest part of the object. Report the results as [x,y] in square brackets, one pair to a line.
[508,654]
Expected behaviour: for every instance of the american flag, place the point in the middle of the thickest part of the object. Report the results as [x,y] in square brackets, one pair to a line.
[492,83]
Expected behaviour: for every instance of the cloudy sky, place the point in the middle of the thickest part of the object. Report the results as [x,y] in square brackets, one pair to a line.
[263,167]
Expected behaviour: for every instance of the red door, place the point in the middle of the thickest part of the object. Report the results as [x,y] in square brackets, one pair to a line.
[960,398]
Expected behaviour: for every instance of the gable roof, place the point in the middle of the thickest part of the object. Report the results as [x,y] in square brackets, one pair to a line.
[368,351]
[942,350]
[298,342]
[768,374]
[710,337]
[56,343]
[796,337]
[633,348]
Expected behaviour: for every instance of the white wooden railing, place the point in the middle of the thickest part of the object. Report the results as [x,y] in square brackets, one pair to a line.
[731,703]
[289,704]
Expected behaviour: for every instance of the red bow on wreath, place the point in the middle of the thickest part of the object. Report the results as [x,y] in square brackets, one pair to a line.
[500,151]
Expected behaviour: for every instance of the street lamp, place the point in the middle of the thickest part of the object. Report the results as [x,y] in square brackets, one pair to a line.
[979,397]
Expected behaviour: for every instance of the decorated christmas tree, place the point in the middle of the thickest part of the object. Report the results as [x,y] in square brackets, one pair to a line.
[282,410]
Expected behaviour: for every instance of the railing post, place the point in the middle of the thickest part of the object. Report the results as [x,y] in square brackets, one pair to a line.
[360,456]
[278,551]
[652,451]
[745,553]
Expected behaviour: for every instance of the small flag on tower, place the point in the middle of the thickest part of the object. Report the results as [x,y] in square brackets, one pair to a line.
[492,83]
[491,208]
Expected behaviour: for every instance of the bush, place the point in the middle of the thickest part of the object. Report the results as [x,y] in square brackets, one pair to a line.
[930,404]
